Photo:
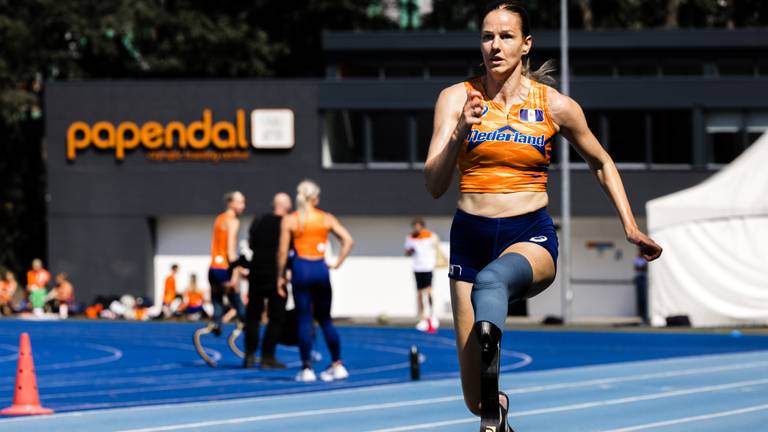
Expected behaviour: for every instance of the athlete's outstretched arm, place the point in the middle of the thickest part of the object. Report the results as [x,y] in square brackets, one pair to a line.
[344,237]
[282,253]
[573,125]
[451,125]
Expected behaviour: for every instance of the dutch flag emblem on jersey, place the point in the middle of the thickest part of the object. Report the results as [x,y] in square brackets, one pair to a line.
[532,115]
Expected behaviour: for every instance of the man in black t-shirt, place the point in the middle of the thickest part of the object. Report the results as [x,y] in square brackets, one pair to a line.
[263,237]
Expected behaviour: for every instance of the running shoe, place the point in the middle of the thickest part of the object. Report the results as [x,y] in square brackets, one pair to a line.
[422,325]
[306,375]
[334,372]
[435,323]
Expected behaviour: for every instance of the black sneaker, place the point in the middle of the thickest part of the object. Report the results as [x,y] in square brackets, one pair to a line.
[249,361]
[271,363]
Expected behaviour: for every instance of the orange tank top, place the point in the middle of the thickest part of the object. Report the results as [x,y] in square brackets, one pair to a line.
[219,250]
[508,151]
[311,238]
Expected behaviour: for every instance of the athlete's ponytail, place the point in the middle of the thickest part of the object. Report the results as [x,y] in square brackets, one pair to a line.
[305,192]
[543,73]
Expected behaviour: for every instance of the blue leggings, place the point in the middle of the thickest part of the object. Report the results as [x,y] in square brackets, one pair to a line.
[312,295]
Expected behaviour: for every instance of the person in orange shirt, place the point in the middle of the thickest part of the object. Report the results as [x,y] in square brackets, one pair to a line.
[224,272]
[8,287]
[308,229]
[38,277]
[169,292]
[193,299]
[498,130]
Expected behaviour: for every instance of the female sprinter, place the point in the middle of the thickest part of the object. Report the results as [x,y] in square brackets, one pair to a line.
[309,227]
[497,130]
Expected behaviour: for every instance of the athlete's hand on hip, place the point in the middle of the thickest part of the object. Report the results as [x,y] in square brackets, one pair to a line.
[473,108]
[649,249]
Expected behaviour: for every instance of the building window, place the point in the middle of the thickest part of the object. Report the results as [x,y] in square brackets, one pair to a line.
[724,137]
[390,136]
[344,138]
[424,120]
[672,137]
[637,69]
[682,69]
[626,135]
[757,125]
[358,70]
[376,138]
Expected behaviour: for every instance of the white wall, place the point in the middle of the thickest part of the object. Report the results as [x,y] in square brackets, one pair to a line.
[377,279]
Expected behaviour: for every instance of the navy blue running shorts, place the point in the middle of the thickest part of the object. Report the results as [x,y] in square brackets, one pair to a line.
[478,240]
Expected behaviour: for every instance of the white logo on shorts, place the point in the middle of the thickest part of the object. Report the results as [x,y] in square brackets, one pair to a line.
[539,239]
[454,270]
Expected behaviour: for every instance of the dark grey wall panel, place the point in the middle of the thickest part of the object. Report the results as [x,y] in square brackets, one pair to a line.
[103,255]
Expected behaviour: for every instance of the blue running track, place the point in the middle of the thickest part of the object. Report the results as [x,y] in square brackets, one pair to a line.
[121,376]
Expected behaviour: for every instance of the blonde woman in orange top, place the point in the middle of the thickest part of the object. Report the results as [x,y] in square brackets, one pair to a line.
[307,230]
[498,130]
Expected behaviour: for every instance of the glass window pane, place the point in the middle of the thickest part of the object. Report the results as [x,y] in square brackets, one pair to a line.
[404,71]
[458,71]
[637,70]
[672,139]
[626,135]
[390,136]
[344,136]
[743,68]
[592,70]
[725,146]
[754,135]
[424,120]
[682,69]
[357,70]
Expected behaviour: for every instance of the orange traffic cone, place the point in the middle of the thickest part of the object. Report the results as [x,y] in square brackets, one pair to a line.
[26,400]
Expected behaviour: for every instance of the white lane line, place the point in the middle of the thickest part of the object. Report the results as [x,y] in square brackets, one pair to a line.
[294,414]
[579,406]
[745,410]
[115,355]
[177,403]
[411,403]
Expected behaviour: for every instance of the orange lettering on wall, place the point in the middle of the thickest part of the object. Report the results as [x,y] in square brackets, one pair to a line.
[75,143]
[204,128]
[152,135]
[181,132]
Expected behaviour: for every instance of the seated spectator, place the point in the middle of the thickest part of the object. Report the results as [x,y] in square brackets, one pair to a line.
[62,297]
[37,286]
[8,287]
[37,277]
[193,300]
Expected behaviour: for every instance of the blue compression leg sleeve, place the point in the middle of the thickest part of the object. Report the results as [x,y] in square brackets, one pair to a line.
[504,280]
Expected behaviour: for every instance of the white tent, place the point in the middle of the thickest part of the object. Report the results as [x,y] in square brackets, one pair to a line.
[715,238]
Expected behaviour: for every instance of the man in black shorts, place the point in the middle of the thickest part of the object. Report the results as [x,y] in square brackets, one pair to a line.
[263,237]
[421,245]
